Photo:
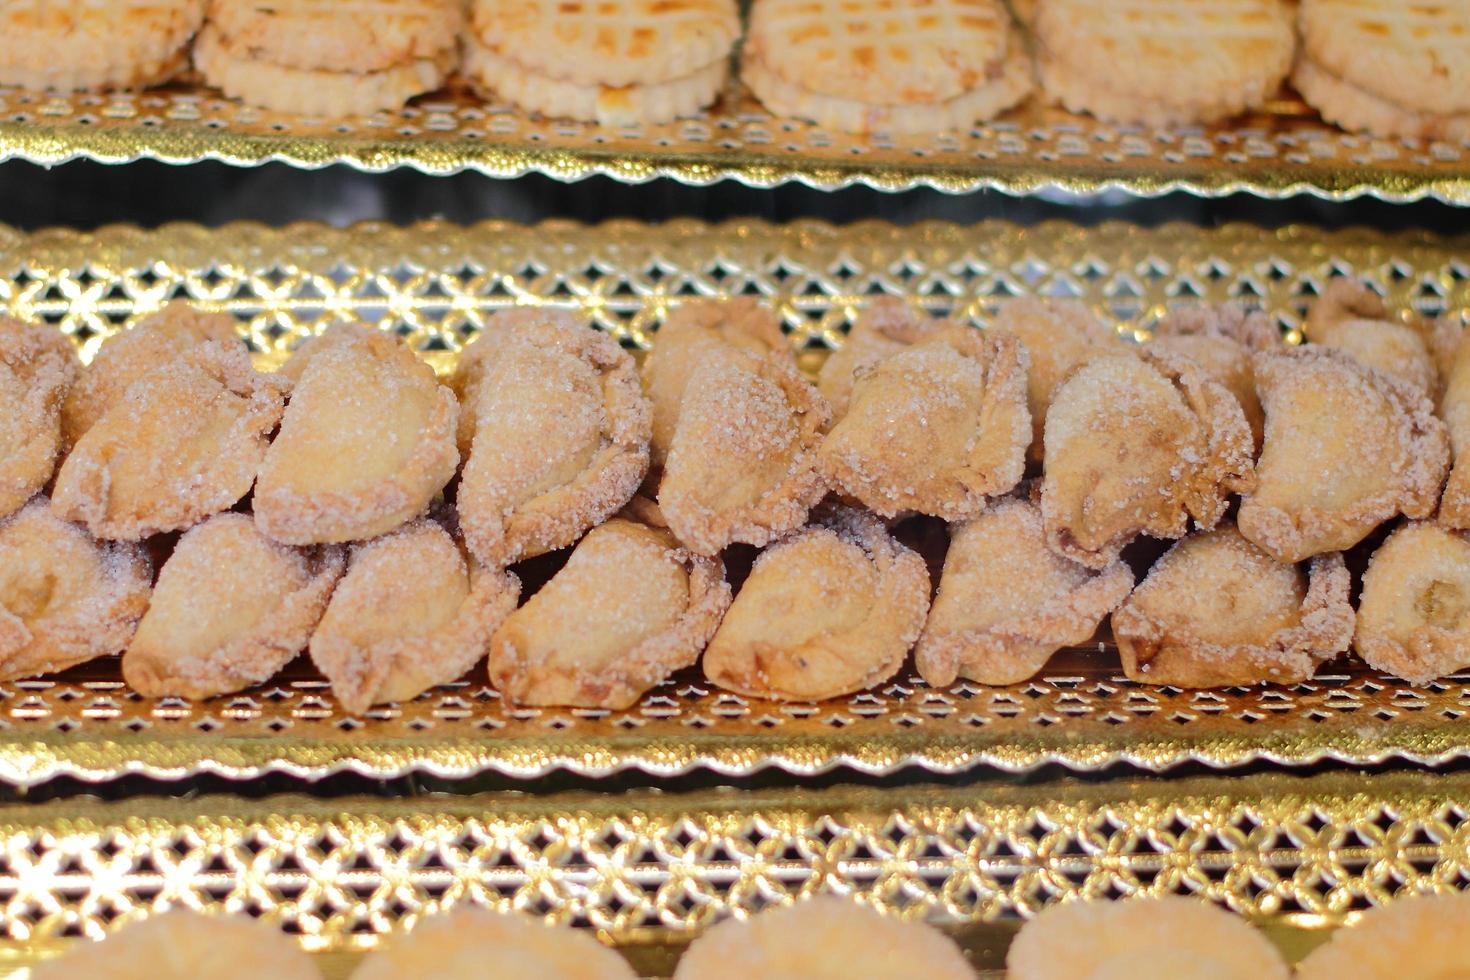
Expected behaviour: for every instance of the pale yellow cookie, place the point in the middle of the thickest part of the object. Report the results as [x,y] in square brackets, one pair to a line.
[353,36]
[95,44]
[1414,936]
[1358,109]
[1163,62]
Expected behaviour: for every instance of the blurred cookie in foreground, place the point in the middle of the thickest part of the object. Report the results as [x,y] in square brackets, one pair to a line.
[614,62]
[1390,68]
[325,58]
[95,44]
[179,944]
[1162,62]
[1170,937]
[885,66]
[1415,936]
[1414,611]
[1216,610]
[823,938]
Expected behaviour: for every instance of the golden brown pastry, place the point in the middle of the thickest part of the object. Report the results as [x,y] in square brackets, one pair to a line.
[742,463]
[37,364]
[629,608]
[409,613]
[561,439]
[231,608]
[1220,341]
[183,443]
[128,355]
[1414,611]
[1454,409]
[366,443]
[1346,448]
[64,598]
[936,429]
[686,338]
[1350,317]
[1006,602]
[1059,334]
[827,611]
[1138,442]
[1216,611]
[1175,937]
[886,326]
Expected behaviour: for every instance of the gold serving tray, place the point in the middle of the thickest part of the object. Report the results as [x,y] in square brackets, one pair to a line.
[647,870]
[436,283]
[1283,151]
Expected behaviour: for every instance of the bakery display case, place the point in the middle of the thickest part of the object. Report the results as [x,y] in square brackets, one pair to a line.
[1301,800]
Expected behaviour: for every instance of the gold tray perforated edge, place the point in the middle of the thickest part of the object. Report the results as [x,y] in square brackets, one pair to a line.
[648,870]
[435,284]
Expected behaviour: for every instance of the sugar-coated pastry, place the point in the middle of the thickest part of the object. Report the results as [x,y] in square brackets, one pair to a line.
[1220,341]
[885,326]
[1414,610]
[37,365]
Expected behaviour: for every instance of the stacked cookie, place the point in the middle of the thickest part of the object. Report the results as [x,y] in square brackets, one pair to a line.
[95,44]
[1162,62]
[615,62]
[1391,68]
[329,57]
[890,66]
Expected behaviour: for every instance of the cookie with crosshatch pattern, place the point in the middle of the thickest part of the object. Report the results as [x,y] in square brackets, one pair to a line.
[1162,62]
[616,62]
[95,44]
[885,65]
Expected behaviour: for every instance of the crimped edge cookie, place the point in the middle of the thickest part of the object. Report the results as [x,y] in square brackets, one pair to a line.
[353,36]
[782,98]
[314,93]
[113,46]
[632,105]
[1341,102]
[676,46]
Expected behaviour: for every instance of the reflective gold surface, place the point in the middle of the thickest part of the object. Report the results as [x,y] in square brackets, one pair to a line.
[436,284]
[1282,151]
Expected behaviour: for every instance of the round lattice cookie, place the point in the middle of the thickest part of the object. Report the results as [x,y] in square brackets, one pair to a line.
[1163,60]
[95,44]
[339,35]
[615,43]
[882,52]
[1414,54]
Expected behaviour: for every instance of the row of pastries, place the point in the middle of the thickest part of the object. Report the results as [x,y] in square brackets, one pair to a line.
[353,506]
[887,66]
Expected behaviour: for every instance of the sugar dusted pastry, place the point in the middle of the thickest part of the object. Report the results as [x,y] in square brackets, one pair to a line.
[614,62]
[95,45]
[1058,334]
[126,356]
[179,944]
[1138,443]
[1352,318]
[742,463]
[1346,448]
[1414,610]
[876,66]
[829,610]
[367,442]
[560,443]
[629,608]
[230,609]
[471,944]
[1220,341]
[1393,69]
[37,364]
[183,443]
[1216,611]
[686,338]
[823,938]
[1412,936]
[64,598]
[1162,62]
[1454,409]
[937,428]
[409,613]
[325,58]
[1167,937]
[1006,602]
[886,326]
